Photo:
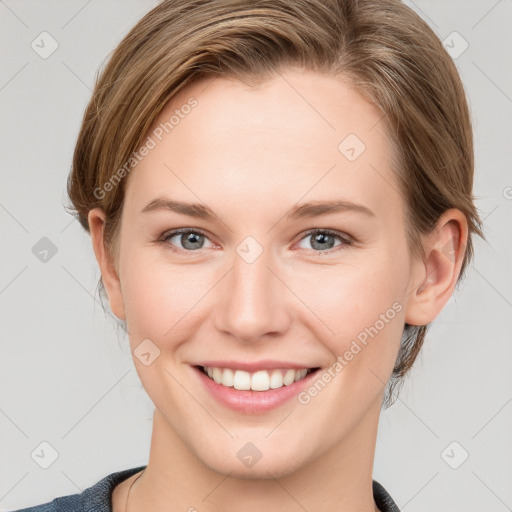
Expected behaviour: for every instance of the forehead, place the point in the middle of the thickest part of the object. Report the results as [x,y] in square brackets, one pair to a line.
[299,133]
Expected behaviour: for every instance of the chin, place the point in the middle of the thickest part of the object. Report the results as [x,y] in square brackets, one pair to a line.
[267,467]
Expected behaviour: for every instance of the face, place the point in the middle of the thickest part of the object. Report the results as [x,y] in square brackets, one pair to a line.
[262,280]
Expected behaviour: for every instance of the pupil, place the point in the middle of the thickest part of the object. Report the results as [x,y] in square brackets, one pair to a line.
[191,238]
[322,238]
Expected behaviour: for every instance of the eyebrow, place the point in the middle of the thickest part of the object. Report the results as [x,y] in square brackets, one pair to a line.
[311,209]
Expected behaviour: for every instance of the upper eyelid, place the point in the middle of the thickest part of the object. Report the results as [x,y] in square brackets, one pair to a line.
[180,231]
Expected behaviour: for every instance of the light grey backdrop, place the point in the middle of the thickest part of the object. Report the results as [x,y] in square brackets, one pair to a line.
[67,377]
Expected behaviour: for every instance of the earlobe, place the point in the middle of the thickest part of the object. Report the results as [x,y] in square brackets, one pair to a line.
[109,273]
[433,280]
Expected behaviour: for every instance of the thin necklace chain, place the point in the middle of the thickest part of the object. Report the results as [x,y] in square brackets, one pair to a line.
[130,488]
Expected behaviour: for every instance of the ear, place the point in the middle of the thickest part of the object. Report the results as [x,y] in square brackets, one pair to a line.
[433,279]
[109,273]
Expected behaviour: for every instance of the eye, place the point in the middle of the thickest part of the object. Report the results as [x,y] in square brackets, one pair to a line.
[322,240]
[189,238]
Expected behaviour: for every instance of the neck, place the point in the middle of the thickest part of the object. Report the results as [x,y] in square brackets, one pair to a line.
[339,479]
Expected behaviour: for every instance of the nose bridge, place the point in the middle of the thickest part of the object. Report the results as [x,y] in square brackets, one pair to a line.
[252,302]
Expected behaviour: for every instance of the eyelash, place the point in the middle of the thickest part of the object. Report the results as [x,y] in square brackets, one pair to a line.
[344,238]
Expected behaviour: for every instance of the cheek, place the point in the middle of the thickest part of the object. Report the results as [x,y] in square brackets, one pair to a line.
[159,297]
[341,303]
[352,298]
[359,312]
[147,294]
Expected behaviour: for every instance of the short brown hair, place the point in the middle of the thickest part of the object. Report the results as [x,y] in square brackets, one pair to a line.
[382,47]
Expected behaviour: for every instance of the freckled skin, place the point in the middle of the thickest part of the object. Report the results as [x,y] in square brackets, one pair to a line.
[250,155]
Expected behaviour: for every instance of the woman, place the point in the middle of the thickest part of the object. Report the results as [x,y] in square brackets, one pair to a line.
[279,197]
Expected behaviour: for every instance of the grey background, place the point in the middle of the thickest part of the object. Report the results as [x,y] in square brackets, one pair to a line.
[66,374]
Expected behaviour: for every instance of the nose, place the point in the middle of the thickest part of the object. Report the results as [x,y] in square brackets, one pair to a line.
[252,303]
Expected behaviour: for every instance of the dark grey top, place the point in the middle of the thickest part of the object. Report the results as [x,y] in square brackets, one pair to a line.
[98,498]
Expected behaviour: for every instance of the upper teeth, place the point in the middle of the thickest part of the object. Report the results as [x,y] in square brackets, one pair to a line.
[261,380]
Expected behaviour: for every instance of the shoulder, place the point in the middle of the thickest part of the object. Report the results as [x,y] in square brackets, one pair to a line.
[382,498]
[97,497]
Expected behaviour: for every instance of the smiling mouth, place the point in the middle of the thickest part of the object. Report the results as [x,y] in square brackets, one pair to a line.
[261,380]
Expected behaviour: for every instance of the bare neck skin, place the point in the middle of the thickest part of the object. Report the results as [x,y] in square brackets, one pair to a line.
[340,479]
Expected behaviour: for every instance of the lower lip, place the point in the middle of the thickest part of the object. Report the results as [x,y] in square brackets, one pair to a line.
[253,402]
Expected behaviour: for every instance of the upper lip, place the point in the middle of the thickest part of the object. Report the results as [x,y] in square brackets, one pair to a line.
[254,366]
